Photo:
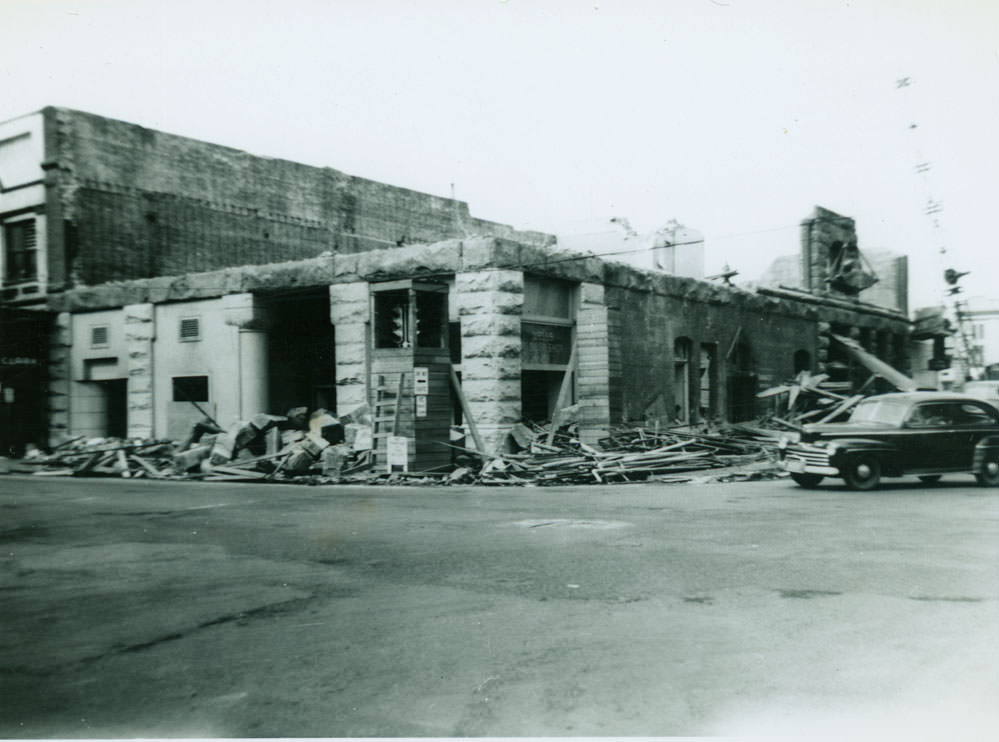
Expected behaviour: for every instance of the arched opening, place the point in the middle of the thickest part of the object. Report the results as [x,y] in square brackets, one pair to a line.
[802,361]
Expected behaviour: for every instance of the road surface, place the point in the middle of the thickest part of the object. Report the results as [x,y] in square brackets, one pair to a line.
[139,608]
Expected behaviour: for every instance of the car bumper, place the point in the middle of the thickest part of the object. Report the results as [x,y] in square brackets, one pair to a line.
[804,459]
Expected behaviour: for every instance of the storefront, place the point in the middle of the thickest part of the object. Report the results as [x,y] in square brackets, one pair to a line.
[23,379]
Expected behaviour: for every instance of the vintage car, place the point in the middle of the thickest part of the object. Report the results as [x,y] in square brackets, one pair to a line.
[927,434]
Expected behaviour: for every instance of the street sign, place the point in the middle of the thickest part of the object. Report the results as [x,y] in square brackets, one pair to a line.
[421,380]
[397,453]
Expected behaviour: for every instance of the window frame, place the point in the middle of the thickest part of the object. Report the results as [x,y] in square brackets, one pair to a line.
[180,329]
[6,227]
[94,329]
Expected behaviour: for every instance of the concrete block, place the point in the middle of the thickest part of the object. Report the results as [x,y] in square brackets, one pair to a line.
[333,459]
[191,459]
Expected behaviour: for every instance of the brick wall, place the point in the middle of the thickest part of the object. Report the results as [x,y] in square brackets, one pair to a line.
[138,203]
[645,321]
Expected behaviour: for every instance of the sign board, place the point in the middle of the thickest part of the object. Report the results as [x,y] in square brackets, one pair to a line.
[363,440]
[421,406]
[547,345]
[397,453]
[421,380]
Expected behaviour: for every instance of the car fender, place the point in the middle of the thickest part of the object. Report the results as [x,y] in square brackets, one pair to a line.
[987,445]
[840,448]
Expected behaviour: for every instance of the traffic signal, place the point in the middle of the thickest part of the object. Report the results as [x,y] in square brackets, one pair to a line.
[400,325]
[952,276]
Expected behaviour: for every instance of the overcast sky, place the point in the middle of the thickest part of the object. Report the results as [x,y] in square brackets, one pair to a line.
[734,117]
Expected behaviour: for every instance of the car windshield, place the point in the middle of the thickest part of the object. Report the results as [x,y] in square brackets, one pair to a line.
[885,411]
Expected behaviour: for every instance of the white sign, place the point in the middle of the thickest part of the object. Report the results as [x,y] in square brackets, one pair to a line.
[397,452]
[421,406]
[421,380]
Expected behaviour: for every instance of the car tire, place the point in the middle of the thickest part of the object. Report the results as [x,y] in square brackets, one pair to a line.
[808,481]
[861,472]
[988,475]
[929,478]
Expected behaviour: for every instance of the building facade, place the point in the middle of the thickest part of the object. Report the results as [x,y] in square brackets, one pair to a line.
[180,279]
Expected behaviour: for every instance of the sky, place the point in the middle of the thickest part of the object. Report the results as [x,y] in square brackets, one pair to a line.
[734,117]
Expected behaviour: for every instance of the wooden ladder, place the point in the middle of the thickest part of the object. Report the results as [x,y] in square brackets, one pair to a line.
[385,422]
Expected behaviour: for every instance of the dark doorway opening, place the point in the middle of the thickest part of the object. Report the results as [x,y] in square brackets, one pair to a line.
[539,394]
[116,396]
[301,363]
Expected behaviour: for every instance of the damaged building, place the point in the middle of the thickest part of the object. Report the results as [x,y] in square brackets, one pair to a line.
[177,279]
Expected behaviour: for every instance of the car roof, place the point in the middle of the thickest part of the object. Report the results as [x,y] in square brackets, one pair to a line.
[909,397]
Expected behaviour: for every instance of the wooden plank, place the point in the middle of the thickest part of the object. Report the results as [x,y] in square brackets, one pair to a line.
[146,466]
[735,341]
[398,400]
[874,364]
[469,419]
[842,407]
[563,394]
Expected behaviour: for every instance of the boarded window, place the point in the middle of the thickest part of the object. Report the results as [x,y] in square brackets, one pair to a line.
[547,297]
[190,329]
[190,388]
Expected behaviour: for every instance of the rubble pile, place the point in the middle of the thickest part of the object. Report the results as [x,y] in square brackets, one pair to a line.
[628,454]
[321,449]
[103,457]
[811,398]
[266,447]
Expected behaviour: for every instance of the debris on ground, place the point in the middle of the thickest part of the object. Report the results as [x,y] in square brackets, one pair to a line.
[322,449]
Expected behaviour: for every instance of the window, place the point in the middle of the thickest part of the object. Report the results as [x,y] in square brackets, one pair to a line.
[190,329]
[971,414]
[546,327]
[548,298]
[190,388]
[392,319]
[99,336]
[416,314]
[20,250]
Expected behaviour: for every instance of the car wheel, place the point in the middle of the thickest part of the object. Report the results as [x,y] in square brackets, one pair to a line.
[809,481]
[988,475]
[930,478]
[861,472]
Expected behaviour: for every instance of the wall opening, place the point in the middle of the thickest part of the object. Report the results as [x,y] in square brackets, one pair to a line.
[300,352]
[681,379]
[100,408]
[708,372]
[742,384]
[547,334]
[539,394]
[802,361]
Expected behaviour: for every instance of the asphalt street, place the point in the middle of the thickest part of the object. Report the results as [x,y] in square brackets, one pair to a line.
[163,609]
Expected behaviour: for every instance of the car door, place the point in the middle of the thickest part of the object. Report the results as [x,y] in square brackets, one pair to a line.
[929,441]
[972,422]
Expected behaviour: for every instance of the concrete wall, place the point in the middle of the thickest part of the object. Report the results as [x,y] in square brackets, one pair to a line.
[215,355]
[90,366]
[145,348]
